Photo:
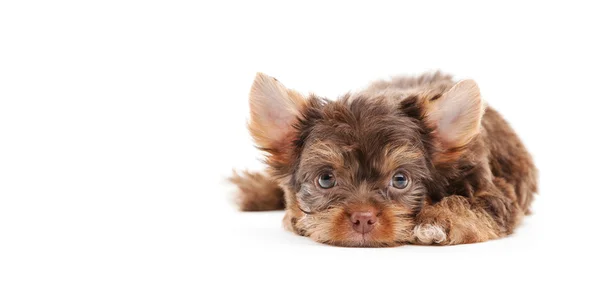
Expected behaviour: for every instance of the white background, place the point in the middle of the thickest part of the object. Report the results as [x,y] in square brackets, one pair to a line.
[119,121]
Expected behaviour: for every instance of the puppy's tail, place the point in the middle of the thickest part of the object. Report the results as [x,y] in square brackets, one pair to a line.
[257,192]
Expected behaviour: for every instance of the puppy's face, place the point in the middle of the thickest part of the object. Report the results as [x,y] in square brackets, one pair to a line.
[356,171]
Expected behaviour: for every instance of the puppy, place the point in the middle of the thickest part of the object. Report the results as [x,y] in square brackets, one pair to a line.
[416,160]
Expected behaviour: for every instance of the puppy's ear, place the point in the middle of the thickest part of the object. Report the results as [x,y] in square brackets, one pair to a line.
[455,117]
[273,111]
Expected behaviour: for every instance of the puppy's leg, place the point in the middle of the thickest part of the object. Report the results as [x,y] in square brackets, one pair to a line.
[257,192]
[490,214]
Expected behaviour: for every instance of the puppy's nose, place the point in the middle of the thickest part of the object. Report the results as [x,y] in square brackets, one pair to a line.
[363,221]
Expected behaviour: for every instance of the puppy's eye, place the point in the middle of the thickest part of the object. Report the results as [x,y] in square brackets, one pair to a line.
[399,181]
[326,180]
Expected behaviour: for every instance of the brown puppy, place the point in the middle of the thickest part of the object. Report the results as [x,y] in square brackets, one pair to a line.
[412,160]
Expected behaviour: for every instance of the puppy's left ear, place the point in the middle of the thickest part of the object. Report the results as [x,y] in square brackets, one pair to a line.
[456,115]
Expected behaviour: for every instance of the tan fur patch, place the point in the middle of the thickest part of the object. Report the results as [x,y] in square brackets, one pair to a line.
[429,234]
[461,222]
[333,227]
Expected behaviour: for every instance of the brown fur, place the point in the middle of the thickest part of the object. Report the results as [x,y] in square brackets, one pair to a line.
[257,192]
[471,179]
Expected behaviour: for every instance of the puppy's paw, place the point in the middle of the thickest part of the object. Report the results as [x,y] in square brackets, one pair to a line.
[428,234]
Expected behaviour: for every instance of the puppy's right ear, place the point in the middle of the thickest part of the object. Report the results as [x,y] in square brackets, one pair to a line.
[273,111]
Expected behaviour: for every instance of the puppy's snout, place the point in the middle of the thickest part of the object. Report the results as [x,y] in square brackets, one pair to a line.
[363,221]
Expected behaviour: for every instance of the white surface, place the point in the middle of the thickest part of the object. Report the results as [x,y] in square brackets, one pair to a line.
[120,119]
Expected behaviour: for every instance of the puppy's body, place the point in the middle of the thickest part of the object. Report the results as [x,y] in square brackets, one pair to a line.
[412,160]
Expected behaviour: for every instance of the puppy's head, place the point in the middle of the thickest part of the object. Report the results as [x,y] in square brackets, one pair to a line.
[356,171]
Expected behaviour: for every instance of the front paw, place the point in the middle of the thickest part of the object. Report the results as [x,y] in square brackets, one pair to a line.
[290,221]
[453,221]
[428,234]
[435,223]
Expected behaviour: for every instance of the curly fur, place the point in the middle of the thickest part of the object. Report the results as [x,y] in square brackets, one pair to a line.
[471,178]
[257,192]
